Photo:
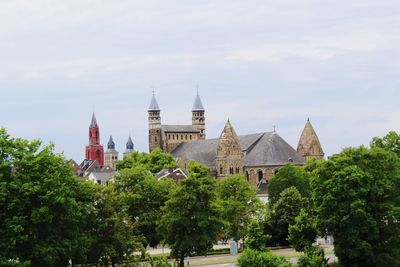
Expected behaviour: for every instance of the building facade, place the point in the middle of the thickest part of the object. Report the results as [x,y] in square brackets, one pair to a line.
[168,137]
[257,156]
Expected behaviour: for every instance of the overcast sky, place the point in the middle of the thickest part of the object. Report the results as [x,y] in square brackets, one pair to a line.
[258,63]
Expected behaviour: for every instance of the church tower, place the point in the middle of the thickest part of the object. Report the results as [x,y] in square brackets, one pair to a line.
[230,158]
[154,125]
[129,147]
[111,155]
[198,118]
[94,150]
[309,145]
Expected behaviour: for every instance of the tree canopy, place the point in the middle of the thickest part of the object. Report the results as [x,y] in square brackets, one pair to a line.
[239,202]
[154,161]
[44,208]
[287,176]
[357,200]
[144,197]
[192,218]
[390,142]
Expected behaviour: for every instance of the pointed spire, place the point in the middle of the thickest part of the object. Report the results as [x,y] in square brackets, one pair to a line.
[111,144]
[153,103]
[93,123]
[197,105]
[129,144]
[309,145]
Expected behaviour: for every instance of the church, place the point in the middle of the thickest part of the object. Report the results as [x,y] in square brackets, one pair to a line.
[257,156]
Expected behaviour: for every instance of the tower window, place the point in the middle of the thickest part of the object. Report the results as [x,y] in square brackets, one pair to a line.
[221,170]
[185,136]
[247,176]
[181,136]
[190,137]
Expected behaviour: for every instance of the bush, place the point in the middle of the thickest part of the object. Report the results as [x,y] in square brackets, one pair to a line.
[313,257]
[253,258]
[159,262]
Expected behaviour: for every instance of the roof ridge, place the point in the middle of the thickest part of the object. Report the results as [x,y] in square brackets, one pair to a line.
[255,143]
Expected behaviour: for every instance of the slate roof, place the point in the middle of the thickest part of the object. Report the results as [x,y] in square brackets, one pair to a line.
[179,128]
[153,104]
[260,149]
[197,105]
[93,123]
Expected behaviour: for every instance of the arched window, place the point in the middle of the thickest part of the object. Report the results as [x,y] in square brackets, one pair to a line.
[221,170]
[260,175]
[247,176]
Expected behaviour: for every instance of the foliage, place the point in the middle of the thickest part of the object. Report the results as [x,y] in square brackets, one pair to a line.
[256,238]
[44,208]
[196,169]
[192,218]
[313,257]
[357,198]
[239,202]
[390,142]
[114,234]
[303,232]
[287,176]
[284,212]
[253,258]
[154,161]
[144,196]
[158,262]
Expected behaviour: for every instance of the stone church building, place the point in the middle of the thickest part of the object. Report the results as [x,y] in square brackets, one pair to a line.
[257,156]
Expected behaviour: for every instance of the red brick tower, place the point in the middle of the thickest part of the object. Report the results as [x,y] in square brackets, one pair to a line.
[94,151]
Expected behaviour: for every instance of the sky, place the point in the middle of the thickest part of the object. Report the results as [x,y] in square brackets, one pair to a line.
[259,63]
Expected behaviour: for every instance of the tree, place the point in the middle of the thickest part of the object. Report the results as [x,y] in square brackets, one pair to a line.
[192,218]
[313,257]
[196,169]
[256,238]
[284,212]
[154,161]
[254,258]
[44,208]
[113,232]
[287,176]
[144,197]
[303,232]
[239,201]
[390,142]
[358,202]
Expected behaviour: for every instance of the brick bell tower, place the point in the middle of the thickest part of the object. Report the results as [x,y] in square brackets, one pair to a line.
[94,150]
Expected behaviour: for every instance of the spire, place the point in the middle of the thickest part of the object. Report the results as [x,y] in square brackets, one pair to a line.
[111,144]
[153,103]
[93,123]
[197,105]
[309,145]
[129,144]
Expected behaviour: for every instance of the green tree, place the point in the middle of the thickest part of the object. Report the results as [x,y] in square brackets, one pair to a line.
[287,176]
[196,169]
[303,232]
[192,218]
[313,257]
[154,161]
[256,238]
[254,258]
[284,212]
[44,208]
[144,196]
[114,237]
[357,198]
[390,142]
[239,202]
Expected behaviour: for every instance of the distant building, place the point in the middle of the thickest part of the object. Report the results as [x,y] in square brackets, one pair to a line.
[257,156]
[168,137]
[175,174]
[98,166]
